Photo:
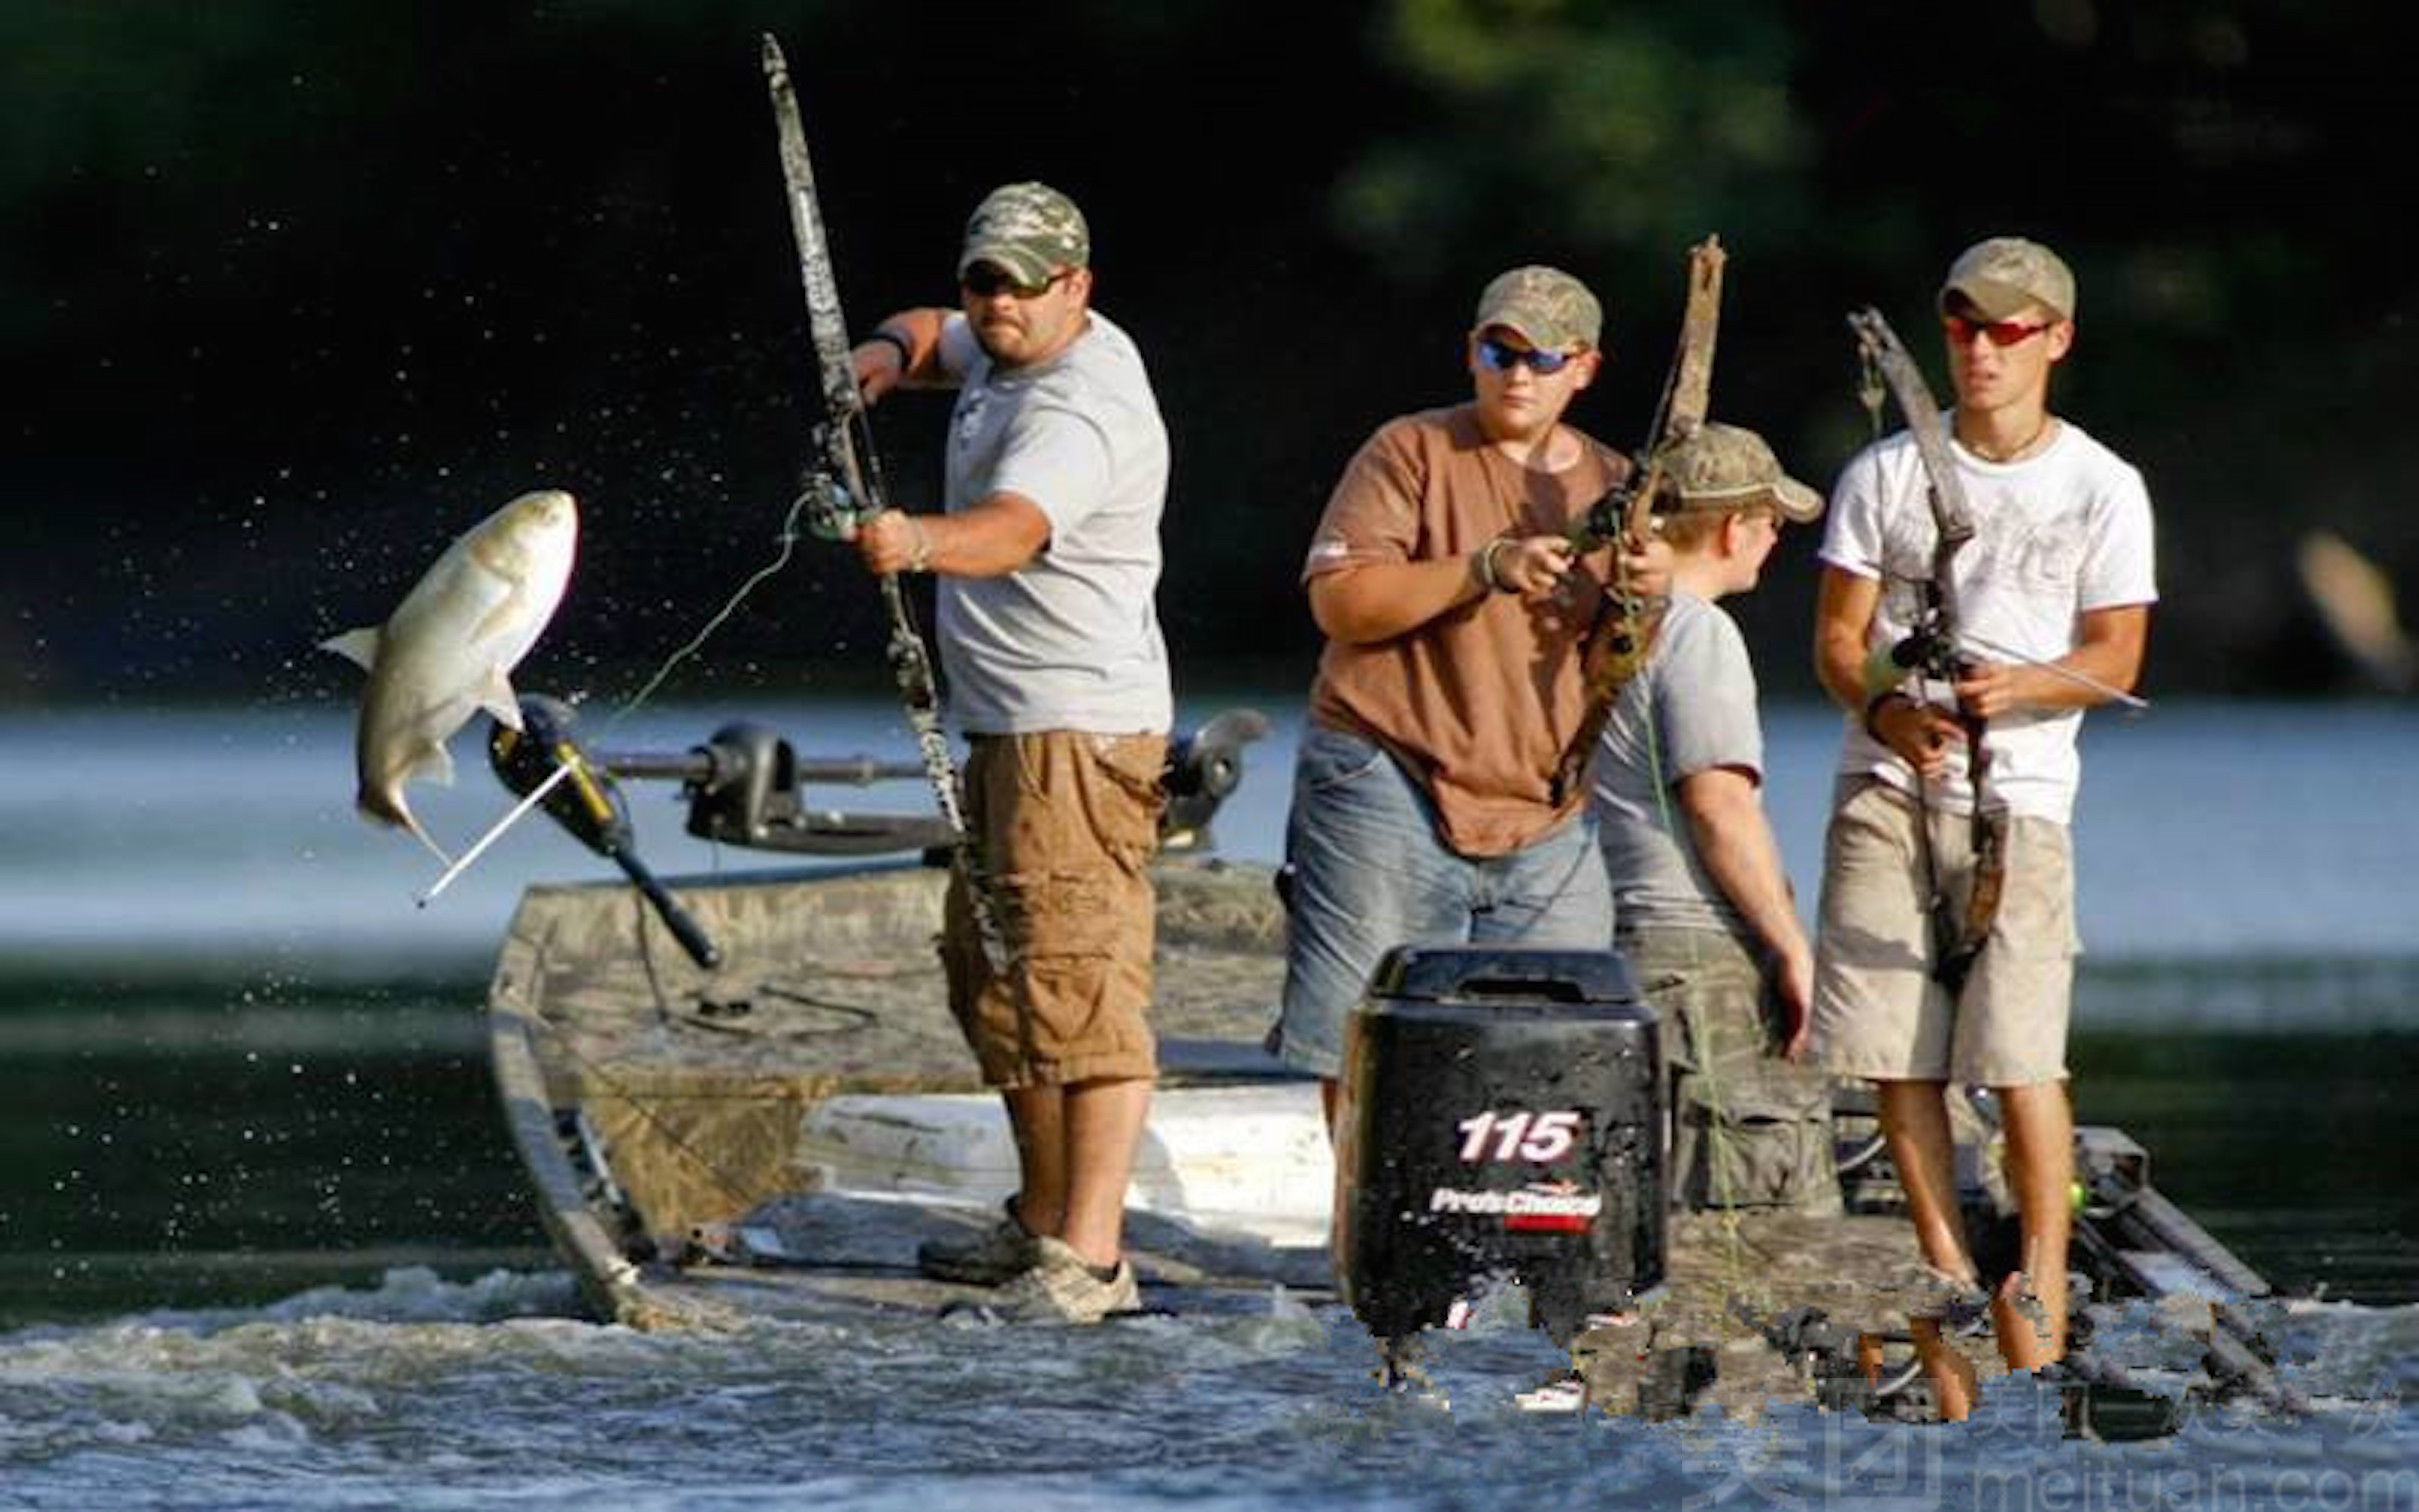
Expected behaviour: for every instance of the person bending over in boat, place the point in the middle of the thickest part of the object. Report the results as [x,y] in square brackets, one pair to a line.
[1706,915]
[1455,611]
[1048,560]
[1915,986]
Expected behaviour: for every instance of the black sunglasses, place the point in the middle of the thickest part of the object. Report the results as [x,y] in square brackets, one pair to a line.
[986,279]
[1502,357]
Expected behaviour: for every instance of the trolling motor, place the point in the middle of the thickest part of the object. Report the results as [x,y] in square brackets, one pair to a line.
[1203,767]
[744,787]
[587,803]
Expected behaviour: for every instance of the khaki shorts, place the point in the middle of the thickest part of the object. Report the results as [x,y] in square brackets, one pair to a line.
[1877,1012]
[1065,824]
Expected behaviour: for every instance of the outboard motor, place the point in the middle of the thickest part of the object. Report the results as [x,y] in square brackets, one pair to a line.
[1501,1116]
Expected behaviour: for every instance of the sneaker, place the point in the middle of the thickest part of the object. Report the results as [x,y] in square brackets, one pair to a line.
[1564,1391]
[986,1257]
[1060,1288]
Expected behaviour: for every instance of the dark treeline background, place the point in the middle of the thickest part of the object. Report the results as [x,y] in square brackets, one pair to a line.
[294,294]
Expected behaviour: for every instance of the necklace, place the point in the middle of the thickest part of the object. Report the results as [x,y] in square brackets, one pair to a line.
[2017,452]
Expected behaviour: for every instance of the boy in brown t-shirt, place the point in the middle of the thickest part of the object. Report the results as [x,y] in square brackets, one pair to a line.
[1455,609]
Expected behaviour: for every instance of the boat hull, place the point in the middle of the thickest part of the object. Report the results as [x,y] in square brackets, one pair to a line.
[774,1135]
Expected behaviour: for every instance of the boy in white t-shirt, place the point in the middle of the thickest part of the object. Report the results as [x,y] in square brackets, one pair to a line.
[2053,595]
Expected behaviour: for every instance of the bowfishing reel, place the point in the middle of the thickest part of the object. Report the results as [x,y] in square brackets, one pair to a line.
[1604,522]
[1925,651]
[831,510]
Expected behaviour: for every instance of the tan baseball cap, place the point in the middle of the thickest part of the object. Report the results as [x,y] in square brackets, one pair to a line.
[1030,230]
[1719,466]
[2001,276]
[1547,306]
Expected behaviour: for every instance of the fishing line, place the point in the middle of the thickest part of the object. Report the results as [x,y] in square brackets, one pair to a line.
[788,538]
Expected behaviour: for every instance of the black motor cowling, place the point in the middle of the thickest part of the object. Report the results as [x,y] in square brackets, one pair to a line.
[1501,1116]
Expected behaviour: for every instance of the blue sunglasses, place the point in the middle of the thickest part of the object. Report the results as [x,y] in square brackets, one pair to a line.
[1502,357]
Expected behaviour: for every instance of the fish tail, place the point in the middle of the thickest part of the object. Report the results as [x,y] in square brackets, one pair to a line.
[389,808]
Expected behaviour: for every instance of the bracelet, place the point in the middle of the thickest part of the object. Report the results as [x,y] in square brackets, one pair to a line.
[919,555]
[1482,566]
[1873,707]
[907,353]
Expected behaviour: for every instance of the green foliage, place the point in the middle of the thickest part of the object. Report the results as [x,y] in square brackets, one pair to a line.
[1577,130]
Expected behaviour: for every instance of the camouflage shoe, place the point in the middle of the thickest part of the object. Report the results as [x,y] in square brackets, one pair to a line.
[1960,1307]
[1060,1288]
[986,1257]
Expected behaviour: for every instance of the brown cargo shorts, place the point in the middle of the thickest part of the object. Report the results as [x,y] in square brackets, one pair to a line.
[1877,1012]
[1065,824]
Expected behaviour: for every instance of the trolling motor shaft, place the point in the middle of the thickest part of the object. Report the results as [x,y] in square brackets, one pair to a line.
[588,804]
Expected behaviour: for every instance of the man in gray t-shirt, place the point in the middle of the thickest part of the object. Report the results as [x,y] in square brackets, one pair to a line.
[1048,564]
[1706,915]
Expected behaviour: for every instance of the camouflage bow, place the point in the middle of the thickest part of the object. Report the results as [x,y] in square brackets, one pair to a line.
[1618,643]
[1930,649]
[845,485]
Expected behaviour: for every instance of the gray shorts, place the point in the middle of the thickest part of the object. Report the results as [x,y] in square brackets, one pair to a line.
[1878,1013]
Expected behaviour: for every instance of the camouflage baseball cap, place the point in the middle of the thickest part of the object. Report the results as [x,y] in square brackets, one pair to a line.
[1029,229]
[1546,305]
[1720,466]
[2001,276]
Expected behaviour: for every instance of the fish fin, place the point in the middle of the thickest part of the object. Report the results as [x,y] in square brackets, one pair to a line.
[497,698]
[360,647]
[436,765]
[501,618]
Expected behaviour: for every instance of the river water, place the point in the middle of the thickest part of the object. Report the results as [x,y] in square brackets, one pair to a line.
[262,1244]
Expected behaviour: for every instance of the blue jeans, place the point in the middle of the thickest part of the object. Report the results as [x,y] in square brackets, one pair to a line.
[1369,873]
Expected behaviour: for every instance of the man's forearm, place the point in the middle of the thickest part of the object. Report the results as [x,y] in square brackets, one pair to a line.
[1843,616]
[998,535]
[1734,841]
[917,334]
[1364,605]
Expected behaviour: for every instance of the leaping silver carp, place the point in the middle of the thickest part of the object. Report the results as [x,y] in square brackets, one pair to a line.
[446,652]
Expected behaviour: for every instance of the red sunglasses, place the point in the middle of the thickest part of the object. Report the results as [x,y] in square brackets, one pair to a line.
[2001,333]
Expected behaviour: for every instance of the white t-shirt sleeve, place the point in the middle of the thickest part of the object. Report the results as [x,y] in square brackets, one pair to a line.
[2120,560]
[1852,530]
